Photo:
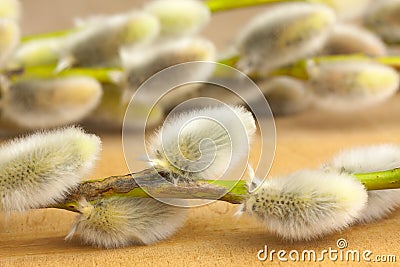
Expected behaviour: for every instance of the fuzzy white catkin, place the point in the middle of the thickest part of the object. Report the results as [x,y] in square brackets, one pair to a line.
[350,85]
[122,221]
[141,64]
[350,39]
[37,170]
[307,204]
[283,34]
[9,38]
[383,17]
[371,159]
[97,42]
[201,144]
[53,102]
[10,9]
[179,17]
[347,10]
[110,112]
[37,53]
[285,95]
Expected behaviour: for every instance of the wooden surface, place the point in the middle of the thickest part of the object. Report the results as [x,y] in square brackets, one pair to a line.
[212,235]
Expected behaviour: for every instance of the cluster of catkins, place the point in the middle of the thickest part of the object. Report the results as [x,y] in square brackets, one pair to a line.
[139,43]
[288,32]
[38,170]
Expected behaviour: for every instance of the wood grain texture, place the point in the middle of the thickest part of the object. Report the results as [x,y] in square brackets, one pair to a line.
[212,235]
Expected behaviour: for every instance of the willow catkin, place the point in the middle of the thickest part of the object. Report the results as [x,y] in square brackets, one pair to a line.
[283,34]
[365,159]
[10,9]
[179,17]
[39,52]
[383,17]
[98,41]
[37,170]
[349,85]
[307,204]
[285,95]
[121,221]
[201,144]
[346,10]
[50,102]
[141,64]
[9,38]
[350,39]
[110,112]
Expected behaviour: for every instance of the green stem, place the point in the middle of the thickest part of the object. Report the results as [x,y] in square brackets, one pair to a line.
[389,179]
[299,69]
[223,5]
[147,183]
[47,72]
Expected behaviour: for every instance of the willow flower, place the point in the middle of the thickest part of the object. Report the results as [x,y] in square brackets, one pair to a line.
[366,159]
[38,170]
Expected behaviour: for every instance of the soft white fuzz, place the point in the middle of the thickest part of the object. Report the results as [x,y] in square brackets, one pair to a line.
[285,95]
[371,159]
[141,64]
[383,18]
[98,41]
[37,170]
[283,34]
[347,10]
[122,221]
[201,144]
[53,102]
[39,52]
[307,204]
[9,38]
[10,9]
[111,111]
[179,17]
[350,85]
[350,39]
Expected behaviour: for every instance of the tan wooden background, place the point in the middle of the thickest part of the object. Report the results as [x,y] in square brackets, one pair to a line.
[212,236]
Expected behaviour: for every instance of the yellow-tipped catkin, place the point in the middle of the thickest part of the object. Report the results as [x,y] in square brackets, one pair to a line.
[179,17]
[366,159]
[285,95]
[350,39]
[122,221]
[50,102]
[307,204]
[10,9]
[37,170]
[98,41]
[37,53]
[283,34]
[9,38]
[383,17]
[350,85]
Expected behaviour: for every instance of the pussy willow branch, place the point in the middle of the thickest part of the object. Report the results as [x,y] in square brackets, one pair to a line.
[214,6]
[147,183]
[47,72]
[299,69]
[296,70]
[223,5]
